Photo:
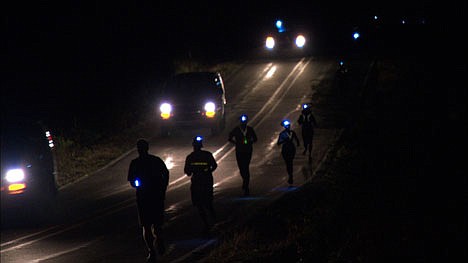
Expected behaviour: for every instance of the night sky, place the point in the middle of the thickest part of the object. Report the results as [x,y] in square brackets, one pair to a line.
[62,55]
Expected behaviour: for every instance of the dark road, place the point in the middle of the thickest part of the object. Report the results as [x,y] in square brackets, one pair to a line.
[94,220]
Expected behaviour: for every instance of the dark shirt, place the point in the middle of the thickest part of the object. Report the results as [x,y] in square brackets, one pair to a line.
[307,121]
[243,138]
[200,165]
[286,139]
[153,175]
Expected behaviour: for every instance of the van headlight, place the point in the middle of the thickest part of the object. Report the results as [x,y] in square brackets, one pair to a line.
[166,110]
[270,42]
[300,41]
[210,109]
[14,175]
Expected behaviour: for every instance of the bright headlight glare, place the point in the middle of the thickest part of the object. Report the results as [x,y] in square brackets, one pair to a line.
[300,41]
[270,42]
[210,109]
[165,108]
[15,175]
[210,106]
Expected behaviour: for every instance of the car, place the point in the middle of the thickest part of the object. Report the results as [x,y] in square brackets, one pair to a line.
[192,99]
[28,162]
[287,40]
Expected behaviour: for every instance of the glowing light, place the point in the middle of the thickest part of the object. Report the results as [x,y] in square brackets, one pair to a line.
[16,188]
[270,72]
[198,138]
[243,118]
[166,110]
[270,42]
[137,183]
[279,26]
[356,35]
[15,175]
[169,161]
[305,106]
[210,109]
[300,41]
[286,123]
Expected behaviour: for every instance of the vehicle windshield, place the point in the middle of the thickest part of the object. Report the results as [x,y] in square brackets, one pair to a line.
[192,83]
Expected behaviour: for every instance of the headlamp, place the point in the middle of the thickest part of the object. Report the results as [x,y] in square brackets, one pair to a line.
[243,118]
[15,175]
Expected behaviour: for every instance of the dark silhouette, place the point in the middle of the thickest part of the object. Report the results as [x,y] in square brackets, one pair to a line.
[308,123]
[243,136]
[288,150]
[149,175]
[199,165]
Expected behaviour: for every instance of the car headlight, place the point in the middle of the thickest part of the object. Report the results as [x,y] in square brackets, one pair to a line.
[300,41]
[14,175]
[270,42]
[166,110]
[210,109]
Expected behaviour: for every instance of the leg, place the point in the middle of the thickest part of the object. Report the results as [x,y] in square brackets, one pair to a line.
[148,236]
[289,168]
[158,233]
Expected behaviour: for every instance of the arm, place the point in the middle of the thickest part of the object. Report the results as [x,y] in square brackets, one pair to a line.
[187,167]
[314,122]
[295,138]
[231,136]
[131,174]
[280,139]
[165,174]
[254,135]
[300,120]
[213,164]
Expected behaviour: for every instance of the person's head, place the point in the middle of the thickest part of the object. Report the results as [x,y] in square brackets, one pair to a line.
[142,146]
[306,108]
[243,120]
[197,142]
[286,124]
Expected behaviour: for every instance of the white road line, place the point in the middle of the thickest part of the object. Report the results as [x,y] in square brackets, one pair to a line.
[62,252]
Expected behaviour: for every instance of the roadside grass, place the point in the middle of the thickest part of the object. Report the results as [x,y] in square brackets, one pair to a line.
[302,226]
[76,159]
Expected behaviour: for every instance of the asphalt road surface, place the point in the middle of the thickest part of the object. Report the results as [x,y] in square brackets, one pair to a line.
[95,219]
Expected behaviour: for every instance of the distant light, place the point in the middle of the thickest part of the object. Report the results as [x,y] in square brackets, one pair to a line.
[137,182]
[286,123]
[376,17]
[300,41]
[280,26]
[356,35]
[198,138]
[403,21]
[305,106]
[270,42]
[341,63]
